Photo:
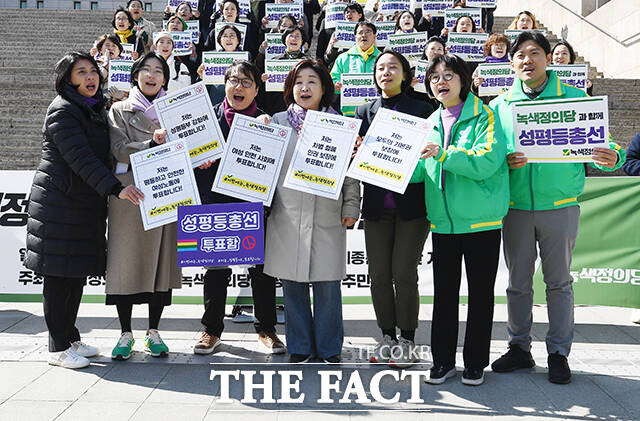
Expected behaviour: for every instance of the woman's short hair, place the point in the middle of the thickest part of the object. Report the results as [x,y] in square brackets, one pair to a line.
[290,17]
[400,15]
[473,23]
[290,31]
[64,66]
[496,38]
[137,66]
[322,72]
[246,68]
[111,37]
[235,30]
[174,17]
[126,12]
[437,39]
[367,24]
[534,36]
[187,3]
[356,7]
[514,24]
[131,1]
[406,70]
[457,66]
[572,54]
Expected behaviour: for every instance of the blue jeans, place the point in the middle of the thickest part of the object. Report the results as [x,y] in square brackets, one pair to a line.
[321,333]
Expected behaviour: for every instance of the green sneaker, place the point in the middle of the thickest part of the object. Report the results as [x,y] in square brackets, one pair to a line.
[154,344]
[122,350]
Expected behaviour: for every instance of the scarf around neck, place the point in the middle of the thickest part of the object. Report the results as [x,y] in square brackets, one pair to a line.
[230,112]
[492,59]
[123,35]
[140,102]
[366,54]
[296,115]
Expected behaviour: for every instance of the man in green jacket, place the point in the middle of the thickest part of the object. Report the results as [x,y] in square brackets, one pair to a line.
[358,59]
[544,211]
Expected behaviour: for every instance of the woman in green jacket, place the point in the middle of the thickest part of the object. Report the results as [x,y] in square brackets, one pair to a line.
[467,190]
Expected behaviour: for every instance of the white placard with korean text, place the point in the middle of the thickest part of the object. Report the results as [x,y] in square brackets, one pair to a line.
[436,8]
[275,47]
[322,154]
[216,64]
[188,115]
[497,78]
[173,5]
[411,46]
[467,46]
[357,89]
[345,34]
[164,175]
[273,12]
[561,130]
[252,161]
[383,30]
[334,12]
[572,74]
[421,73]
[451,15]
[120,74]
[277,71]
[391,7]
[181,43]
[481,3]
[390,150]
[127,50]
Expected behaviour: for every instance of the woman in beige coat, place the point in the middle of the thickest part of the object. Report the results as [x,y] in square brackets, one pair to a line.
[141,265]
[306,234]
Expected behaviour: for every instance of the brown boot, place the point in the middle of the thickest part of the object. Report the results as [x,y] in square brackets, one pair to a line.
[206,344]
[271,342]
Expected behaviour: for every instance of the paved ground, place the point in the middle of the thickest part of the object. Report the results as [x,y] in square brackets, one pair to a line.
[605,361]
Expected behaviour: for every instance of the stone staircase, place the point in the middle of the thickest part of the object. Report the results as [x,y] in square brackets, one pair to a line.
[26,77]
[27,59]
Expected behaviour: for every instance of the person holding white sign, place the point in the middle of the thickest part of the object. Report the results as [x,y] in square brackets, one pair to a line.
[107,48]
[544,213]
[352,13]
[395,225]
[123,25]
[241,88]
[524,21]
[358,59]
[142,266]
[306,236]
[144,28]
[179,76]
[405,22]
[230,12]
[67,204]
[177,24]
[467,194]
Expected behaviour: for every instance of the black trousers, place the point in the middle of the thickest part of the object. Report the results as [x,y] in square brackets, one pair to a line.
[263,290]
[61,301]
[481,251]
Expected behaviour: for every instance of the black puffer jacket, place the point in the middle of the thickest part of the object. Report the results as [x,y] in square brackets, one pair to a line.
[67,207]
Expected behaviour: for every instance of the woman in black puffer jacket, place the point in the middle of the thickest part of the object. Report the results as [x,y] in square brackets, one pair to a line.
[67,204]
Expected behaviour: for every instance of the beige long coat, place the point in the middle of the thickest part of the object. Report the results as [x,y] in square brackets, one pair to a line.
[137,260]
[305,239]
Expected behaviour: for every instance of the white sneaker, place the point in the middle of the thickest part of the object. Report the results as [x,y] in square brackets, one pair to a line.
[84,350]
[382,351]
[68,359]
[403,355]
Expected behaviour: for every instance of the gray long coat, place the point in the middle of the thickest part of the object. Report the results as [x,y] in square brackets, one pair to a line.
[305,239]
[137,260]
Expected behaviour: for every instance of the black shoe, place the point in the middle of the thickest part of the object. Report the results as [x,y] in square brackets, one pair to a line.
[440,374]
[473,376]
[559,371]
[334,359]
[514,359]
[299,358]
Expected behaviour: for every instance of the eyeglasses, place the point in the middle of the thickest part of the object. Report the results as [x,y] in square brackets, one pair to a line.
[365,32]
[435,78]
[246,83]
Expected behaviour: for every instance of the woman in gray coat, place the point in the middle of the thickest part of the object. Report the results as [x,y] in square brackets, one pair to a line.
[306,234]
[142,266]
